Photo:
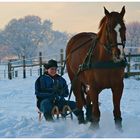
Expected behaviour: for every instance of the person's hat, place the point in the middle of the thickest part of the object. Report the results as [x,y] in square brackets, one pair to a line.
[51,63]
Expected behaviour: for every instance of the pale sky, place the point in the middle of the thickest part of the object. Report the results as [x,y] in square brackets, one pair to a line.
[72,17]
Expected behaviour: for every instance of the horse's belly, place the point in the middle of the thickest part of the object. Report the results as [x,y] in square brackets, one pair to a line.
[105,78]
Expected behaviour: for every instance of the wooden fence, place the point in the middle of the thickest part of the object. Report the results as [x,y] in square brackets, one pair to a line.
[132,69]
[12,72]
[133,66]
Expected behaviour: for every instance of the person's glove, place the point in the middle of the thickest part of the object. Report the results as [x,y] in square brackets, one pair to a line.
[62,99]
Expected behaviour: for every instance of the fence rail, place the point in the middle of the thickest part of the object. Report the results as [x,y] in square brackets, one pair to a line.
[12,72]
[27,67]
[132,70]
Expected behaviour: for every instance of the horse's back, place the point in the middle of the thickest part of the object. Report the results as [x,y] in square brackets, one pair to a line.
[79,39]
[77,49]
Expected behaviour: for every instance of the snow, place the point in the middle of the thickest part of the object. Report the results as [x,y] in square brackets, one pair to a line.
[19,118]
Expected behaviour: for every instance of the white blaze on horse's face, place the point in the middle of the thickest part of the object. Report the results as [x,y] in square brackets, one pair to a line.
[117,29]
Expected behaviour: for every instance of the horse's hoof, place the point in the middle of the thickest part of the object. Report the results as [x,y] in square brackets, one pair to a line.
[118,123]
[88,121]
[82,122]
[94,126]
[119,128]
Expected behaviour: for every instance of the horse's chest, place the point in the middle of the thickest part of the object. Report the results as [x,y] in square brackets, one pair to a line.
[101,79]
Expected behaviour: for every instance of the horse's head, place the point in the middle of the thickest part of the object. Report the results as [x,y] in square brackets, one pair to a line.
[115,33]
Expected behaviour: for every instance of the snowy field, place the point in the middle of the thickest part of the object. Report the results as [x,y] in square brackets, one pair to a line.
[18,116]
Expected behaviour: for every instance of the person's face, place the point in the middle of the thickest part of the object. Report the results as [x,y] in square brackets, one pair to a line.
[52,71]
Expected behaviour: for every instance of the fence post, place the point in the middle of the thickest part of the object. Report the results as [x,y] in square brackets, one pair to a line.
[30,72]
[40,63]
[4,73]
[16,73]
[9,70]
[61,61]
[24,67]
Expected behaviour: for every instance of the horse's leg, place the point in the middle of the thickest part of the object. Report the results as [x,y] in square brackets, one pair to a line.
[88,109]
[77,89]
[85,89]
[94,93]
[117,94]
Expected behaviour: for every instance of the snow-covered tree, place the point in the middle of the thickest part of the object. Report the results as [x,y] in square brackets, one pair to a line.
[133,34]
[29,35]
[22,35]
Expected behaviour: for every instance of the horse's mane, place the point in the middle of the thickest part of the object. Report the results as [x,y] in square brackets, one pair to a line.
[101,25]
[102,21]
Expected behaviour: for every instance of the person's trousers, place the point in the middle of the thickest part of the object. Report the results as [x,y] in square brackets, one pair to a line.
[47,105]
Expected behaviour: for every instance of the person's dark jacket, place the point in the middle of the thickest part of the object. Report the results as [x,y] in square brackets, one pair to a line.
[53,88]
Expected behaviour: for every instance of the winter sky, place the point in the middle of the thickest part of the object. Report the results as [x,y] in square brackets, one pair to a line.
[67,16]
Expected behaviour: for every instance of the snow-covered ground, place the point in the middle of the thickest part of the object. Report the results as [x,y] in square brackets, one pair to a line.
[18,116]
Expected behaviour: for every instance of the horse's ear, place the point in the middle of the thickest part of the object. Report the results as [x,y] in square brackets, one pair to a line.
[122,11]
[106,12]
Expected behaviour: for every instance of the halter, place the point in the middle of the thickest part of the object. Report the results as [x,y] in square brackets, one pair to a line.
[109,44]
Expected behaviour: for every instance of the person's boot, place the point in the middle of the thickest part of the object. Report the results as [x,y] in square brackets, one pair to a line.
[80,116]
[48,117]
[95,123]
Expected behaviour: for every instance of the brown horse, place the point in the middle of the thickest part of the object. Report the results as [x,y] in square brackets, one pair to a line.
[97,62]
